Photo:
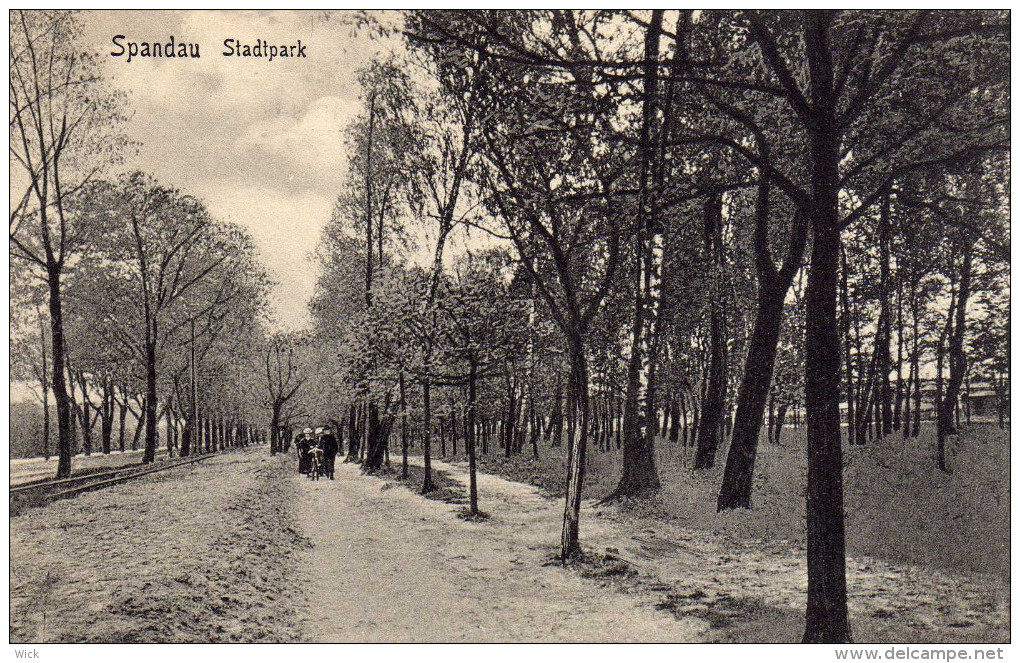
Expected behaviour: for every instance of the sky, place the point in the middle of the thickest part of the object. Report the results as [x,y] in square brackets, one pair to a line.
[260,142]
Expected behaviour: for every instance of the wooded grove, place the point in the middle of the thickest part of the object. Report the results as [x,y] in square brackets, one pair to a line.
[562,233]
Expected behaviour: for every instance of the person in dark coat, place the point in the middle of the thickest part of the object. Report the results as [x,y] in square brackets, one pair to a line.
[329,446]
[304,445]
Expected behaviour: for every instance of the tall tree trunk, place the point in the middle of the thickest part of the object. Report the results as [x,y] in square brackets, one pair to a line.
[442,436]
[773,285]
[827,618]
[686,427]
[472,471]
[770,434]
[555,429]
[915,362]
[851,415]
[966,397]
[571,406]
[426,442]
[714,401]
[75,417]
[46,420]
[453,432]
[761,356]
[710,417]
[780,422]
[827,613]
[122,421]
[957,356]
[403,429]
[639,473]
[378,438]
[139,425]
[107,415]
[85,415]
[510,418]
[534,424]
[65,441]
[860,390]
[1000,400]
[884,405]
[867,401]
[940,423]
[274,428]
[906,402]
[352,433]
[898,397]
[151,421]
[44,384]
[695,419]
[674,418]
[570,544]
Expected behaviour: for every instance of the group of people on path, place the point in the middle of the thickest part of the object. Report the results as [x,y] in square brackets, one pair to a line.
[311,441]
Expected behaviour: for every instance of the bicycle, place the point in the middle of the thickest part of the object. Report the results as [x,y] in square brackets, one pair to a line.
[316,464]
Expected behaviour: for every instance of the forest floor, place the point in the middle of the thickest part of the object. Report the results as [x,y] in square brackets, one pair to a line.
[721,588]
[201,553]
[240,548]
[899,507]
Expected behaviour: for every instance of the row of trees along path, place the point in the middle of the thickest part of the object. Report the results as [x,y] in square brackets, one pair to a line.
[627,183]
[133,305]
[680,222]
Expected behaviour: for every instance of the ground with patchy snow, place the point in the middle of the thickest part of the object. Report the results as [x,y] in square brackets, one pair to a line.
[729,589]
[899,507]
[202,553]
[240,548]
[388,565]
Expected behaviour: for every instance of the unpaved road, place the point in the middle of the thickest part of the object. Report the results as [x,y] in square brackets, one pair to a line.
[388,565]
[240,548]
[199,553]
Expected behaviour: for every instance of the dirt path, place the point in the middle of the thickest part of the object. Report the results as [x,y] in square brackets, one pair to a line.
[388,565]
[200,553]
[427,575]
[240,549]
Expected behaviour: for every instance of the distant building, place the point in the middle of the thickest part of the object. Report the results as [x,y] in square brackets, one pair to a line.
[979,397]
[982,400]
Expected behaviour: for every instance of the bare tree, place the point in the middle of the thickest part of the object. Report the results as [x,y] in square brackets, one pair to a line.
[283,380]
[63,132]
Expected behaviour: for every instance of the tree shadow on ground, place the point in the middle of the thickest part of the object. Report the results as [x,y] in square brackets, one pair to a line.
[445,489]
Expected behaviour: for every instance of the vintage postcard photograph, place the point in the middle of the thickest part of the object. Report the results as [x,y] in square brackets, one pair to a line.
[511,326]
